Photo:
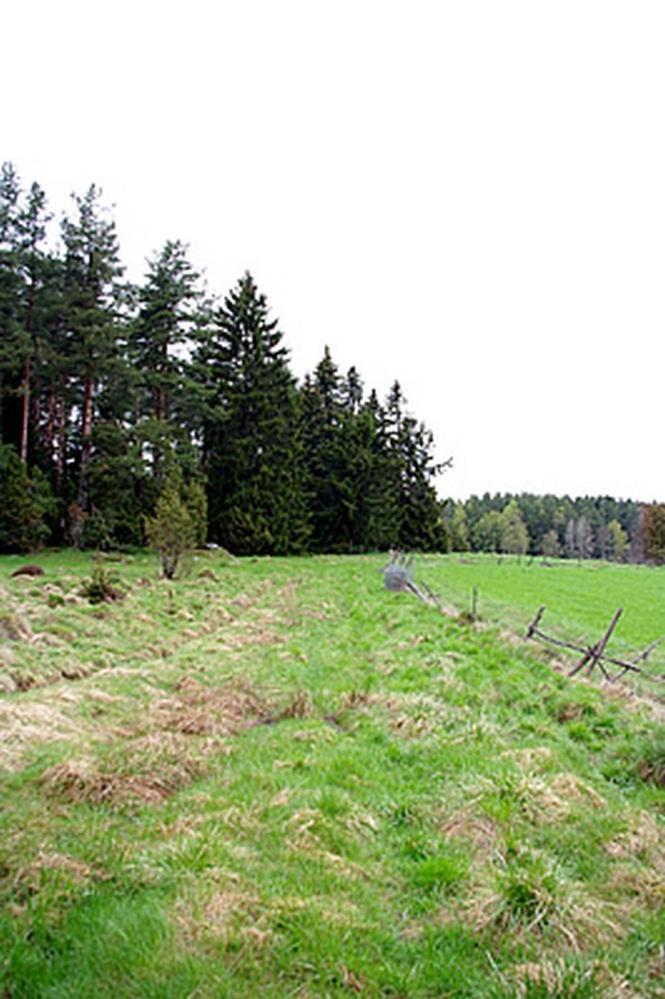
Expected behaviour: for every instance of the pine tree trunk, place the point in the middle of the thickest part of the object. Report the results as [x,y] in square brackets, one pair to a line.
[160,408]
[62,439]
[49,433]
[86,443]
[25,412]
[25,402]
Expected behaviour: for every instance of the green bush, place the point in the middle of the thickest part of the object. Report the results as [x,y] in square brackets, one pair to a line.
[171,532]
[25,501]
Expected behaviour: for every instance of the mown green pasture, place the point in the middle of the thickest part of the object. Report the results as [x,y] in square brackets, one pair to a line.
[580,597]
[273,777]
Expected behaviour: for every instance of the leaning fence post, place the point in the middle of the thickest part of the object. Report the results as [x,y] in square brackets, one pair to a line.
[531,630]
[595,652]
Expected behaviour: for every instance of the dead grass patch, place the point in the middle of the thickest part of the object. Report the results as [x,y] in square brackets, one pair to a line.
[220,915]
[23,725]
[15,627]
[411,715]
[641,886]
[304,838]
[28,880]
[148,769]
[551,977]
[533,758]
[82,781]
[571,711]
[224,710]
[576,791]
[642,835]
[479,832]
[300,706]
[217,711]
[542,904]
[652,773]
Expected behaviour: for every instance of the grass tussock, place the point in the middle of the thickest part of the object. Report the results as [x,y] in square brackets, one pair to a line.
[82,781]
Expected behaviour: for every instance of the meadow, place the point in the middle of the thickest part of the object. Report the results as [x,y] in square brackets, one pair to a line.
[580,597]
[273,777]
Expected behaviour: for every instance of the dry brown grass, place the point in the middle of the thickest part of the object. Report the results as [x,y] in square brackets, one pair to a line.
[201,710]
[479,832]
[28,880]
[81,780]
[303,836]
[220,915]
[533,758]
[15,626]
[642,835]
[24,724]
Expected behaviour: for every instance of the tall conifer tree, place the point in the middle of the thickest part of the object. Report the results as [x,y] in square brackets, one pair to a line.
[92,271]
[255,474]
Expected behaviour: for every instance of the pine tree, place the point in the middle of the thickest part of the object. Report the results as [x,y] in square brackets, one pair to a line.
[251,430]
[92,271]
[34,270]
[169,301]
[12,339]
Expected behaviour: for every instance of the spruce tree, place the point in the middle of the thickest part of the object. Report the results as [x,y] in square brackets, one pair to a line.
[328,481]
[412,473]
[251,429]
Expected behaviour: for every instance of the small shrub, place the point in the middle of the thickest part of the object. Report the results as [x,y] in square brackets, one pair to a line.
[171,532]
[100,587]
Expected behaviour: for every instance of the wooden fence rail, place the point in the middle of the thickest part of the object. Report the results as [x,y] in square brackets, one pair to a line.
[594,655]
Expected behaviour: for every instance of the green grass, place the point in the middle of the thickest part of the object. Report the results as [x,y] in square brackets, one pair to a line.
[273,777]
[580,598]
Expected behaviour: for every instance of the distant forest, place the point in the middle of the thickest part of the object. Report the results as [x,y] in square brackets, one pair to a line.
[113,393]
[557,527]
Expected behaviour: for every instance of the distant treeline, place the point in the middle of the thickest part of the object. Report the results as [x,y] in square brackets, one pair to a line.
[111,391]
[553,526]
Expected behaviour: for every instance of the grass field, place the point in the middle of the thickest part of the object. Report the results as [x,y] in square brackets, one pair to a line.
[580,597]
[273,777]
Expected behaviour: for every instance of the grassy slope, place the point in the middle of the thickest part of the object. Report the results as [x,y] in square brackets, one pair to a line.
[287,781]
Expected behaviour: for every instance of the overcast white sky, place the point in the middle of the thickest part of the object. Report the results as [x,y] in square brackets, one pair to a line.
[469,196]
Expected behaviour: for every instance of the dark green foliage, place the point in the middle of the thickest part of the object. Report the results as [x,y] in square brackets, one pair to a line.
[412,471]
[100,587]
[120,489]
[107,389]
[196,502]
[92,270]
[25,502]
[252,430]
